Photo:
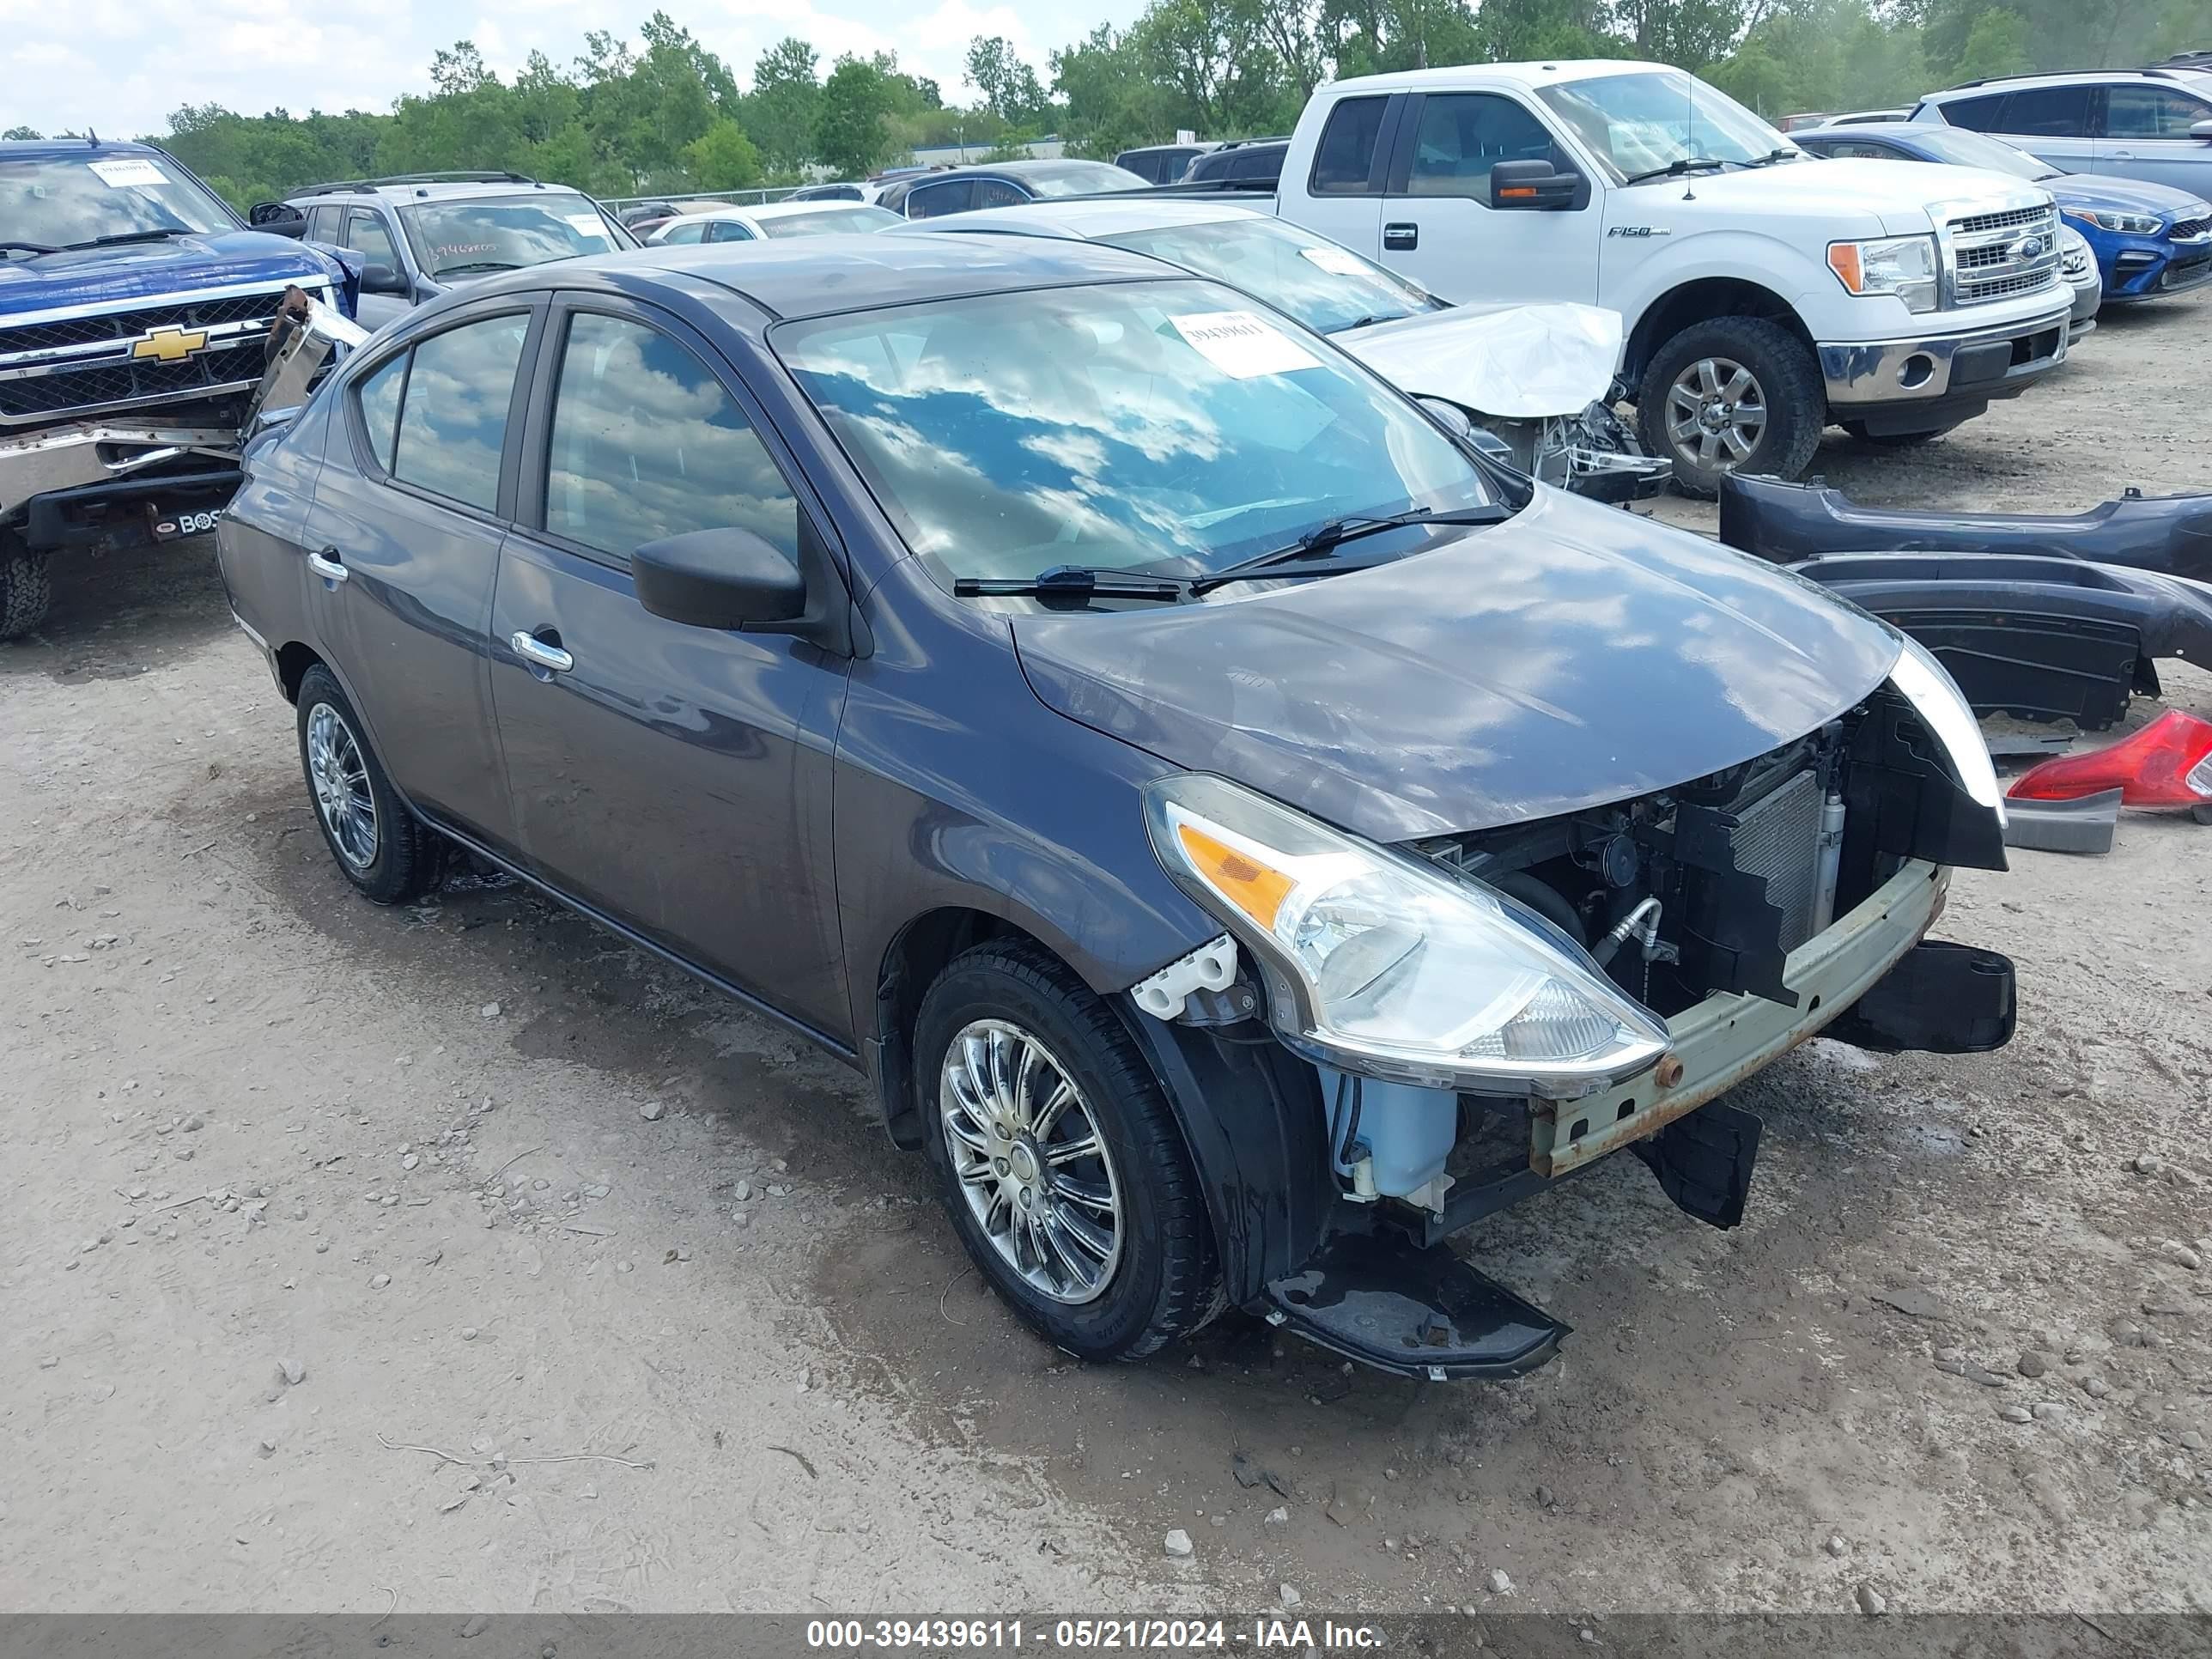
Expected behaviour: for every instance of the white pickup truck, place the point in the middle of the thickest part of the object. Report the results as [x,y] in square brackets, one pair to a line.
[1767,294]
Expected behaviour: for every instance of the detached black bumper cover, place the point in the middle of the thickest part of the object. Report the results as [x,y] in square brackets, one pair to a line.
[2041,637]
[1787,522]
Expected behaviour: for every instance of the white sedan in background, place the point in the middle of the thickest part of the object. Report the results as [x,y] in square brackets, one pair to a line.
[777,219]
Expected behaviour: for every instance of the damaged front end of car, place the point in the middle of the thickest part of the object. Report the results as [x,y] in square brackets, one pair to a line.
[1469,1019]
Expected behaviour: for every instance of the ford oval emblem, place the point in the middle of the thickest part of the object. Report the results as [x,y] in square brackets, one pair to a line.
[2029,247]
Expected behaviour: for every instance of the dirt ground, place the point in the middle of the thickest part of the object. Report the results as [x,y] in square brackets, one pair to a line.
[599,1294]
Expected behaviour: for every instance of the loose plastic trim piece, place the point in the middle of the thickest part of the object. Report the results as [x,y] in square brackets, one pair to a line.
[1211,967]
[2085,824]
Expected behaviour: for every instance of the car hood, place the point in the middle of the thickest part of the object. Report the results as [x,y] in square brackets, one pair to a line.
[1572,656]
[155,271]
[1906,198]
[1521,362]
[2097,190]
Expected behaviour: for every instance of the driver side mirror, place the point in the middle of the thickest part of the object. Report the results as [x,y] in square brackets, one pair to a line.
[2202,131]
[725,578]
[1532,185]
[278,219]
[382,279]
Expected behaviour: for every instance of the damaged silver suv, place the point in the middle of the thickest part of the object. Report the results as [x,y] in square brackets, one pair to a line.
[1244,835]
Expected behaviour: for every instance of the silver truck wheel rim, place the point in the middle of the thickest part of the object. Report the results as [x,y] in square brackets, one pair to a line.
[1032,1166]
[1715,413]
[340,778]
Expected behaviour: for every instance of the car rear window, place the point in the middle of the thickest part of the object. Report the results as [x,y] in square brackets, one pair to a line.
[2048,112]
[453,421]
[1346,159]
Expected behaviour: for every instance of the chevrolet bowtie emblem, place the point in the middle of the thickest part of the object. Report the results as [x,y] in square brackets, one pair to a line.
[170,345]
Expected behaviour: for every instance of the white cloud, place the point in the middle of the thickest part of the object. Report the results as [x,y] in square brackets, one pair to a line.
[74,66]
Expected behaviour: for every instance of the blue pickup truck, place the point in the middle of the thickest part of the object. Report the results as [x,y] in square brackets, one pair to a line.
[137,315]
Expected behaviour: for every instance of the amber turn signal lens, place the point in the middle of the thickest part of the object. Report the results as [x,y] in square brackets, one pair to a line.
[1253,888]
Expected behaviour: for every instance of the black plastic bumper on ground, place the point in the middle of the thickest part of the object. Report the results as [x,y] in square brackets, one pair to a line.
[2041,637]
[1788,522]
[1940,999]
[1381,1299]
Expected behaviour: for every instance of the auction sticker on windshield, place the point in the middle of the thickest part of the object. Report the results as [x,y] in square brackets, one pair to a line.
[1337,261]
[127,173]
[1243,345]
[586,224]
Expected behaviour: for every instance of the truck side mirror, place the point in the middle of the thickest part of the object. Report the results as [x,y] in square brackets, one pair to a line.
[277,218]
[2202,131]
[1532,184]
[382,279]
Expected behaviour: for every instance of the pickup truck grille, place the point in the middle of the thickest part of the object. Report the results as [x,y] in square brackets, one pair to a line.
[85,365]
[2001,256]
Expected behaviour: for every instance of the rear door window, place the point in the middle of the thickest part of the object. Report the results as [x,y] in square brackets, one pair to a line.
[1346,159]
[453,421]
[1983,114]
[2048,112]
[647,443]
[684,235]
[997,192]
[729,230]
[2143,112]
[1462,135]
[378,396]
[931,201]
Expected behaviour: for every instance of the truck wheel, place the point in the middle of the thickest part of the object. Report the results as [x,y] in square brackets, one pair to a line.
[379,846]
[26,590]
[1732,394]
[1896,439]
[1058,1158]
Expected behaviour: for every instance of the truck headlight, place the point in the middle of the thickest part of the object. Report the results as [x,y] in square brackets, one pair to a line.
[1381,964]
[1904,267]
[2126,224]
[1935,697]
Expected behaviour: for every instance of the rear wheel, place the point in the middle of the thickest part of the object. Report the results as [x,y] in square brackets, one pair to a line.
[379,846]
[26,589]
[1732,394]
[1058,1158]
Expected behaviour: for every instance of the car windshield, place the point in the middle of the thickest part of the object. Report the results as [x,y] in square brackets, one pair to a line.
[828,222]
[1325,287]
[1641,122]
[506,232]
[1079,178]
[1972,149]
[1166,426]
[64,201]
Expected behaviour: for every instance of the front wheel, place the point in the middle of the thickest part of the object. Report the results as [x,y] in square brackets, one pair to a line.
[1058,1158]
[1732,394]
[379,846]
[26,589]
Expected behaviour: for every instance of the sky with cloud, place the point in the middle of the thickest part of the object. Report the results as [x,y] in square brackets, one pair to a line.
[120,66]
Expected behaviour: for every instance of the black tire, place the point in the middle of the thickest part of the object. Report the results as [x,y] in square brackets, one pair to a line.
[1858,430]
[1166,1281]
[406,861]
[26,589]
[1787,382]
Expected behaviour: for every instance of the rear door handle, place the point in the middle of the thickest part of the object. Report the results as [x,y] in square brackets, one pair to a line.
[326,564]
[539,654]
[2124,155]
[1401,236]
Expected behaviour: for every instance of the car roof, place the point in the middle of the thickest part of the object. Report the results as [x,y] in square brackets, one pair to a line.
[430,191]
[820,276]
[1529,76]
[34,149]
[2179,76]
[1087,217]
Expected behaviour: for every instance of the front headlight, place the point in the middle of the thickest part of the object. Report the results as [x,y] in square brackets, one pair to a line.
[1935,697]
[2126,224]
[1381,964]
[1901,266]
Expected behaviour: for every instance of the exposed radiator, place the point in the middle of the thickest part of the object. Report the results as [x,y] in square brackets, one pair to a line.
[1778,840]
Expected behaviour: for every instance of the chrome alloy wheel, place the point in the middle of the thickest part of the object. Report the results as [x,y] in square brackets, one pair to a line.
[1716,412]
[340,777]
[1031,1163]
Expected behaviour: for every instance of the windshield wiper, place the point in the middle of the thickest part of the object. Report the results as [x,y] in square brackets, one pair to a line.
[481,264]
[1335,533]
[1676,169]
[1073,581]
[1368,321]
[123,237]
[1772,157]
[27,247]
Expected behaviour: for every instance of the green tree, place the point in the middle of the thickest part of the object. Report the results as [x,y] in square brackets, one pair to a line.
[781,110]
[1009,87]
[1996,44]
[849,135]
[22,132]
[722,158]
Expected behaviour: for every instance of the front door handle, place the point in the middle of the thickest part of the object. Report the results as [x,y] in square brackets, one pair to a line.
[1401,237]
[2124,155]
[326,564]
[539,654]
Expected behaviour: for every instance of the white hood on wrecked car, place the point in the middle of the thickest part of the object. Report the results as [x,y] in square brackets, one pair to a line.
[1520,362]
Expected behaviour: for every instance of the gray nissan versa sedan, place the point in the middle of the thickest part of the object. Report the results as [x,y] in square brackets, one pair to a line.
[1244,835]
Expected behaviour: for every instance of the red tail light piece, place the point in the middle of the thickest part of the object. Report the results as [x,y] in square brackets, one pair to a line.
[2167,763]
